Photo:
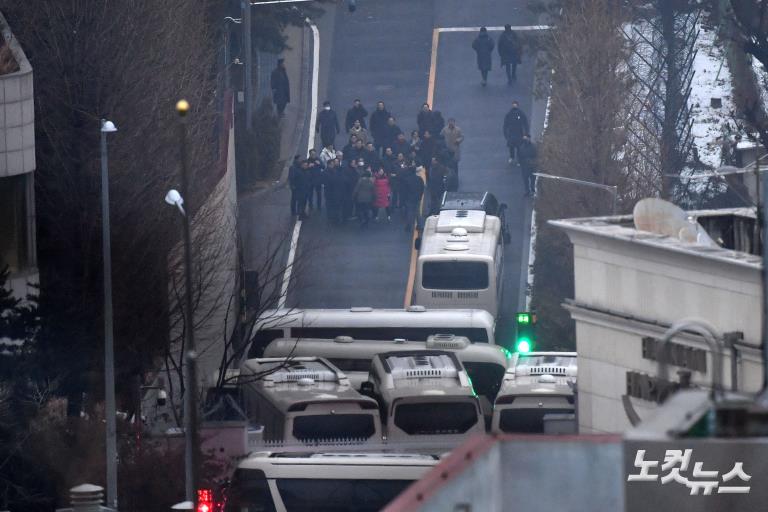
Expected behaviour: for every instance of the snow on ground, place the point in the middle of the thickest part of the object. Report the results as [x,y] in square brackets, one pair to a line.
[762,80]
[712,79]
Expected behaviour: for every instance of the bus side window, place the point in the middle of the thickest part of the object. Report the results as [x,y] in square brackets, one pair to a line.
[260,341]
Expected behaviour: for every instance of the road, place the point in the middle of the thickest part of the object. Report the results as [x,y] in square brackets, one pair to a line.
[384,52]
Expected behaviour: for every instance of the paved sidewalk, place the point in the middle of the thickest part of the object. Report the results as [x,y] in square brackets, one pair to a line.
[265,213]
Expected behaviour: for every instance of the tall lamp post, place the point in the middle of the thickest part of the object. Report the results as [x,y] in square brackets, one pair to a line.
[192,444]
[613,189]
[109,348]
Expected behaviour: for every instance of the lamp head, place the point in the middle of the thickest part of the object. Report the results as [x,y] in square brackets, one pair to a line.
[108,126]
[182,107]
[173,197]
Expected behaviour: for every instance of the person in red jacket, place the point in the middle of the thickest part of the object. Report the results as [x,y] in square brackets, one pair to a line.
[382,193]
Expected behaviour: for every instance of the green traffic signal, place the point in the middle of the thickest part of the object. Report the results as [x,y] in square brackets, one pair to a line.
[525,332]
[523,346]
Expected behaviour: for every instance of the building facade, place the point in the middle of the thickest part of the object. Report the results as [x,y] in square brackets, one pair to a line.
[631,285]
[17,164]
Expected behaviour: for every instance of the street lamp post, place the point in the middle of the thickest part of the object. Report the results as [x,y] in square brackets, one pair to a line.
[191,435]
[613,189]
[227,38]
[109,348]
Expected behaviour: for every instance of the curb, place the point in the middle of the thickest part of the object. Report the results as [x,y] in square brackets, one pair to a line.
[525,289]
[305,80]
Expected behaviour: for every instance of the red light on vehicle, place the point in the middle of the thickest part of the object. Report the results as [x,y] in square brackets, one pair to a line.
[204,500]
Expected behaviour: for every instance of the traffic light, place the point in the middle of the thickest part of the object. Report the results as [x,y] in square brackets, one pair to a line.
[525,332]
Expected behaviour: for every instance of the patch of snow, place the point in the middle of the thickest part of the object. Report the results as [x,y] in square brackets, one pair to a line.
[711,79]
[761,75]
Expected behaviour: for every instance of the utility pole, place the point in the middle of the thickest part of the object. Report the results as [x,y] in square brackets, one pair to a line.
[248,55]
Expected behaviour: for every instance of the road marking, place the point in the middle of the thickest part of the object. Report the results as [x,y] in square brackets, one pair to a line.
[433,66]
[494,29]
[315,78]
[289,266]
[430,98]
[283,298]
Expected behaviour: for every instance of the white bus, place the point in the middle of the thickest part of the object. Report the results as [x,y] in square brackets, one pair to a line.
[485,364]
[306,400]
[364,323]
[424,394]
[461,261]
[295,482]
[537,394]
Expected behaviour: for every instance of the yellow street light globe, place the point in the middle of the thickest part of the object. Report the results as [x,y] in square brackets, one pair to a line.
[182,107]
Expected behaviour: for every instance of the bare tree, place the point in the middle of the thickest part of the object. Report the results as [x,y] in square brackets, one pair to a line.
[129,61]
[583,137]
[750,31]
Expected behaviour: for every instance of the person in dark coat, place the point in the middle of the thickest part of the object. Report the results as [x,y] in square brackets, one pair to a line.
[334,190]
[427,149]
[349,148]
[371,156]
[356,113]
[379,125]
[392,131]
[317,179]
[356,152]
[424,119]
[281,89]
[510,52]
[327,124]
[401,145]
[299,181]
[438,183]
[411,192]
[483,46]
[396,172]
[363,195]
[515,126]
[526,154]
[349,177]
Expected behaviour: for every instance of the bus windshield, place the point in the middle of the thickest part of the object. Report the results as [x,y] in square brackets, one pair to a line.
[435,418]
[454,275]
[333,426]
[326,495]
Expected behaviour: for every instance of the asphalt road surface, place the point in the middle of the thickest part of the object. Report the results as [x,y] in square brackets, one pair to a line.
[384,52]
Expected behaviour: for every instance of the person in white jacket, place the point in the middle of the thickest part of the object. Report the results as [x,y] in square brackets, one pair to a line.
[327,154]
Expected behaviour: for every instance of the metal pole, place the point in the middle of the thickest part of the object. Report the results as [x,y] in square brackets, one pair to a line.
[109,349]
[192,444]
[763,216]
[246,17]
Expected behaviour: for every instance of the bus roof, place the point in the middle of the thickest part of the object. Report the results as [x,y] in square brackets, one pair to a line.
[466,236]
[363,316]
[302,381]
[336,465]
[348,348]
[420,373]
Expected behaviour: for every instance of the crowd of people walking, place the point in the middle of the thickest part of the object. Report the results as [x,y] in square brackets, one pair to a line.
[381,170]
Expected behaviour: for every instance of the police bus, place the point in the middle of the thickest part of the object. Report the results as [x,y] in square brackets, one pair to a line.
[461,257]
[485,364]
[424,394]
[364,482]
[537,394]
[306,400]
[365,323]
